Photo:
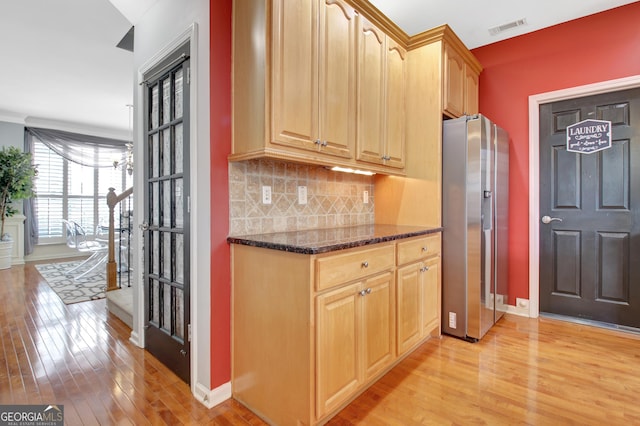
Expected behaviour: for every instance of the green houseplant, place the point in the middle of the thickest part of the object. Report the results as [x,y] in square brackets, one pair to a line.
[17,176]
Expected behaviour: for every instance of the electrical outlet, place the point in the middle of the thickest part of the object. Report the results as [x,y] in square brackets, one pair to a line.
[453,320]
[365,197]
[266,194]
[302,195]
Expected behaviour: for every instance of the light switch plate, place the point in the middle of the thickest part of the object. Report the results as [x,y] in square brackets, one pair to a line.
[365,197]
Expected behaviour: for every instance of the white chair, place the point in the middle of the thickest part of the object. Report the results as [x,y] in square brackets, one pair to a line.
[77,239]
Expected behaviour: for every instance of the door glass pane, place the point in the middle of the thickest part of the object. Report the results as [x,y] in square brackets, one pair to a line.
[154,313]
[166,100]
[177,149]
[154,204]
[166,152]
[178,192]
[166,203]
[179,259]
[178,94]
[154,107]
[155,156]
[179,332]
[166,307]
[166,255]
[155,267]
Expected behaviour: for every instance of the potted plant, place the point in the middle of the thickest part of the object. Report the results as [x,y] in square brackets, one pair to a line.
[16,182]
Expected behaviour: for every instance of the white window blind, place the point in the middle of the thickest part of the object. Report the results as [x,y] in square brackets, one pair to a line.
[66,190]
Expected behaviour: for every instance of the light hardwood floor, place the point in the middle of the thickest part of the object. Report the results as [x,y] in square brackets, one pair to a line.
[525,371]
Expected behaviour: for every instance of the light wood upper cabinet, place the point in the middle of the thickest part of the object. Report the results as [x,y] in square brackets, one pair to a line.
[471,101]
[453,83]
[380,97]
[313,101]
[460,84]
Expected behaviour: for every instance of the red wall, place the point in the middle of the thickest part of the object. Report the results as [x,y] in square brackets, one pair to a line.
[596,48]
[220,66]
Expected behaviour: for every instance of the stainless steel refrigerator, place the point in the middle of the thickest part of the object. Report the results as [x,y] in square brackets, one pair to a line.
[475,214]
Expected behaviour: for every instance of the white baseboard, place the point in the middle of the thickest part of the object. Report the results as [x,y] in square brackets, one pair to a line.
[135,339]
[521,308]
[212,397]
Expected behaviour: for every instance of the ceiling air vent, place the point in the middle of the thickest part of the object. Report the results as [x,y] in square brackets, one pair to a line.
[504,27]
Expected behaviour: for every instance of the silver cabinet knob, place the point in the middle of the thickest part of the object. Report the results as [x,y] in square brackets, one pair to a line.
[362,292]
[548,219]
[365,264]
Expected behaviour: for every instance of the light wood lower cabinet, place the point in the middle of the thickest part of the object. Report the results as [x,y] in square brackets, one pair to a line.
[355,338]
[305,343]
[418,291]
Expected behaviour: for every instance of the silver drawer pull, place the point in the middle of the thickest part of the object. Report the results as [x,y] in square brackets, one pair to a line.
[425,248]
[365,264]
[363,292]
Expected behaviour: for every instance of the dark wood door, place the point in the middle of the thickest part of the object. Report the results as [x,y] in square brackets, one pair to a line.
[590,261]
[166,239]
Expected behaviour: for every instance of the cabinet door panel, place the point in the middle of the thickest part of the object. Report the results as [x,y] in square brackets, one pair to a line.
[337,92]
[337,367]
[431,296]
[471,103]
[295,73]
[395,104]
[453,82]
[408,307]
[378,320]
[370,129]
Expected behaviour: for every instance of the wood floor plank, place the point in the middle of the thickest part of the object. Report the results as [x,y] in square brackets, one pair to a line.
[524,371]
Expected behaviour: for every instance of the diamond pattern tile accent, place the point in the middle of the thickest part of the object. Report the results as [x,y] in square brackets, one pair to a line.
[333,198]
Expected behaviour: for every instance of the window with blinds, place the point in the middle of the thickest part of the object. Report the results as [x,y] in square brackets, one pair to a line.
[66,190]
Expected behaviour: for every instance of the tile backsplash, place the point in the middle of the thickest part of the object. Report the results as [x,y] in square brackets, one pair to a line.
[333,198]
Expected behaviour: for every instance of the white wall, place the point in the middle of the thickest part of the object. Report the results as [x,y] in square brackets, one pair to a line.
[11,134]
[166,22]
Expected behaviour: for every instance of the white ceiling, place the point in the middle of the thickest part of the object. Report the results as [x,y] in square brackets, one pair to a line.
[61,63]
[471,19]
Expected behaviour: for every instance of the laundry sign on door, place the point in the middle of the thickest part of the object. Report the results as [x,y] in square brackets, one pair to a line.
[589,136]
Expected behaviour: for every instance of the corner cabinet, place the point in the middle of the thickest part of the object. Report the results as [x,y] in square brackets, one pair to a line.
[311,332]
[297,91]
[381,97]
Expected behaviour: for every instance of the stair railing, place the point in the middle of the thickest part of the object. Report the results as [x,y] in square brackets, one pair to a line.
[112,267]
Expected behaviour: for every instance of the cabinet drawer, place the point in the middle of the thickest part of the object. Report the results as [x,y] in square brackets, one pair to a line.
[348,266]
[412,250]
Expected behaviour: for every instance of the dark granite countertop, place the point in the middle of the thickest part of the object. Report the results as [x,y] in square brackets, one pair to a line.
[314,241]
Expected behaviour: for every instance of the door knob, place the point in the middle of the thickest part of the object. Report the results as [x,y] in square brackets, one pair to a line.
[144,226]
[548,219]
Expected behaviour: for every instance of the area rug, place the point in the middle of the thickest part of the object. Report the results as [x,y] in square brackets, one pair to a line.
[89,287]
